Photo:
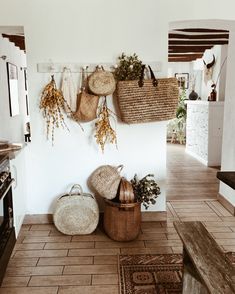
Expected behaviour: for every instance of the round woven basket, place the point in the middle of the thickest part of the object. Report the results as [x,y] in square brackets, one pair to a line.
[101,82]
[76,213]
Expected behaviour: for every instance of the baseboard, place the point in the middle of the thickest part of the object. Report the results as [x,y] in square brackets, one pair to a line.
[147,216]
[229,206]
[33,219]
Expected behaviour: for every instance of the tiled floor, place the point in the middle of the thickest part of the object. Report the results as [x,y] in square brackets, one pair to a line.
[47,262]
[187,178]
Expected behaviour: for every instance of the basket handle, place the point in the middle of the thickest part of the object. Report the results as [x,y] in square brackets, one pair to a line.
[120,168]
[78,187]
[153,78]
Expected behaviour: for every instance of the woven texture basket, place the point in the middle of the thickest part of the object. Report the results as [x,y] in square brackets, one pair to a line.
[105,180]
[87,105]
[122,221]
[125,192]
[76,213]
[147,103]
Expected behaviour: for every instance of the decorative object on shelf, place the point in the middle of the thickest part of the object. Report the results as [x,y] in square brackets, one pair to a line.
[125,192]
[147,100]
[68,88]
[183,80]
[193,95]
[128,68]
[87,104]
[122,221]
[146,190]
[208,70]
[27,135]
[76,213]
[104,133]
[101,82]
[213,93]
[12,76]
[105,180]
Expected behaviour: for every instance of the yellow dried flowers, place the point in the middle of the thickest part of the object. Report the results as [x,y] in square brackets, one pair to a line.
[53,104]
[104,132]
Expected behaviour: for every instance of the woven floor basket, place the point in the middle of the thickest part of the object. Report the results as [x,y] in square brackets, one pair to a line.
[147,103]
[76,213]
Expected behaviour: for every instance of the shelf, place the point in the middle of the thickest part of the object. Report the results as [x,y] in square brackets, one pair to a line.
[227,177]
[51,67]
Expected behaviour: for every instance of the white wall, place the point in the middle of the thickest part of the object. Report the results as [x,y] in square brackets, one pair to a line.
[93,31]
[12,128]
[220,53]
[228,147]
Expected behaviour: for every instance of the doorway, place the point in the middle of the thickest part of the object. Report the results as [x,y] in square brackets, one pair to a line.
[197,57]
[14,103]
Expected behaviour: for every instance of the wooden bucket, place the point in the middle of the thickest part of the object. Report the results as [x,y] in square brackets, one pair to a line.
[122,221]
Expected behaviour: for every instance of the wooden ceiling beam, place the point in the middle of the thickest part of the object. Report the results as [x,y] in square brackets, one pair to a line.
[197,30]
[189,49]
[196,37]
[185,55]
[197,42]
[19,41]
[174,59]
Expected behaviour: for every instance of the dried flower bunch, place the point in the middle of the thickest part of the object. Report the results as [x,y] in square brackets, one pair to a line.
[53,104]
[146,190]
[128,68]
[104,132]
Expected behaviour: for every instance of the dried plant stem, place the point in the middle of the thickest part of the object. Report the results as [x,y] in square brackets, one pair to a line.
[53,105]
[104,132]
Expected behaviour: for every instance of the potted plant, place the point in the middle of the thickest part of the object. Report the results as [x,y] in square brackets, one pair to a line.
[176,126]
[146,190]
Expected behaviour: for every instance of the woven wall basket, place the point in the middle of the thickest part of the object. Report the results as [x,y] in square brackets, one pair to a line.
[76,213]
[147,103]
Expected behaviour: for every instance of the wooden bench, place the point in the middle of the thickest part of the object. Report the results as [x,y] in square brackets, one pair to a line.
[206,269]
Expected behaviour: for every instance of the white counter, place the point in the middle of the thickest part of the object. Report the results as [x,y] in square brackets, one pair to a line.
[204,130]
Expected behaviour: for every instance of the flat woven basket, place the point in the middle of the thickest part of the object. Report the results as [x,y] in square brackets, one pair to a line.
[147,103]
[105,180]
[76,213]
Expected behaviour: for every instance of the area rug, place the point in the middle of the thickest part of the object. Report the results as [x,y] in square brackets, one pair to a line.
[152,274]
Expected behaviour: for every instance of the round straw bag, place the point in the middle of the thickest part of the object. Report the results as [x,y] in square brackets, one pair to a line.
[76,213]
[101,82]
[105,180]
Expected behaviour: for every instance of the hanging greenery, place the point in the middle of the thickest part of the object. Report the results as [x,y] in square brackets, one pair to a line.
[146,190]
[128,67]
[104,132]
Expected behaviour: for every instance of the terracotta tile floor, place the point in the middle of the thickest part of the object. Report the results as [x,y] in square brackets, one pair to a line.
[45,261]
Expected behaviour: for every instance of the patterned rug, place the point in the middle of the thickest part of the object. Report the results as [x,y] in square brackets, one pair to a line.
[152,274]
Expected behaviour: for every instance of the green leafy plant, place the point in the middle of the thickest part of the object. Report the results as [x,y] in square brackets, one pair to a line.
[177,125]
[128,67]
[146,190]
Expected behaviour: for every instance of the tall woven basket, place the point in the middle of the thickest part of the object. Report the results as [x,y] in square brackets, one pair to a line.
[147,103]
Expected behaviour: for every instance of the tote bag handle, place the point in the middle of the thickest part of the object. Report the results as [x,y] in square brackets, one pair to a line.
[153,78]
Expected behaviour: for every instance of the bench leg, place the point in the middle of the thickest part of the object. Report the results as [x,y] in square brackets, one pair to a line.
[191,279]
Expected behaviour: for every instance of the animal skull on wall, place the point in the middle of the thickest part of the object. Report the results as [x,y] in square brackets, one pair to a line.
[208,70]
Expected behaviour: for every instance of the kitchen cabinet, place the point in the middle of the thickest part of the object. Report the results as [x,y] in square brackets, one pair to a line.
[18,172]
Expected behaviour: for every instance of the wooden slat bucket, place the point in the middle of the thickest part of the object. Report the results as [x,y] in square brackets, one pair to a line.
[122,221]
